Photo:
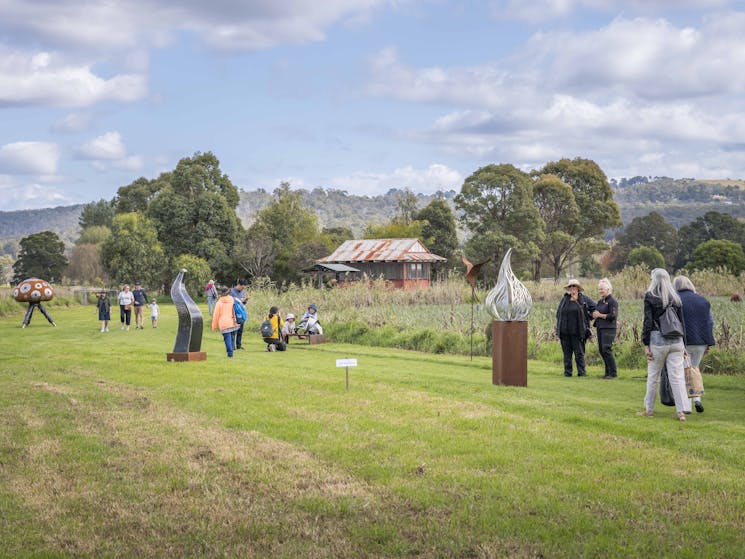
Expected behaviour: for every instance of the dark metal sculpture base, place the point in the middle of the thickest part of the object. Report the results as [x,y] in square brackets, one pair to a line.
[510,353]
[187,356]
[30,313]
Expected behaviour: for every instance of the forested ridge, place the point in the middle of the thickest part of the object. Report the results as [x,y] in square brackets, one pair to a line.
[679,201]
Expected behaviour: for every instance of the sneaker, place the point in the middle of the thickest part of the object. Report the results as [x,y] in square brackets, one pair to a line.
[272,347]
[681,417]
[127,328]
[646,413]
[103,330]
[106,329]
[122,328]
[699,406]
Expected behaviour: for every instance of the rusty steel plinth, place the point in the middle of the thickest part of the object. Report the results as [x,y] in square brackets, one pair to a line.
[510,353]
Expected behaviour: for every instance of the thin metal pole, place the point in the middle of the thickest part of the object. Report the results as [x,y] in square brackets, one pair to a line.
[472,291]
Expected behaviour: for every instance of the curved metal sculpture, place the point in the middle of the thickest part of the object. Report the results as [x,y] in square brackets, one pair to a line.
[510,299]
[189,336]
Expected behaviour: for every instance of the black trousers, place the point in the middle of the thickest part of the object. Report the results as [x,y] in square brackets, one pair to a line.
[238,337]
[605,348]
[125,315]
[573,345]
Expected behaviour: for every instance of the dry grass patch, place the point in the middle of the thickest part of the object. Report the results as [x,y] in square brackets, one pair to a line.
[165,482]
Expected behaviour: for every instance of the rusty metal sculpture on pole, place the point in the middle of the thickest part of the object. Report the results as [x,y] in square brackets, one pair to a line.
[472,270]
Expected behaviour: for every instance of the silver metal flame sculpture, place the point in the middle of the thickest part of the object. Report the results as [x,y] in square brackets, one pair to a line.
[510,299]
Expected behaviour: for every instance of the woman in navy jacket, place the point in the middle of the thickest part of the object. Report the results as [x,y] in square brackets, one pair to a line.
[699,326]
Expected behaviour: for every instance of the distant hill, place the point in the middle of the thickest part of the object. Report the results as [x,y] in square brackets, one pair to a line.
[63,220]
[680,201]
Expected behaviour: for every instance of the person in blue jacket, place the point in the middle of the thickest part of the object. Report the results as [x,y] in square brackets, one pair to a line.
[699,326]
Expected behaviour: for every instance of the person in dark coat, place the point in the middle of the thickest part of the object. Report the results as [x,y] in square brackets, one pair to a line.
[572,326]
[605,315]
[699,326]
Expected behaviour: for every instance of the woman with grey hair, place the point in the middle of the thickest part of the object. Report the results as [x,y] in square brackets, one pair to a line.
[659,350]
[605,315]
[699,327]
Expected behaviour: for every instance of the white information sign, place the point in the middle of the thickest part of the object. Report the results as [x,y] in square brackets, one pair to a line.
[346,362]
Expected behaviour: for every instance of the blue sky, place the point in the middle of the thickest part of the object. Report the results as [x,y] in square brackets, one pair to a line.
[363,95]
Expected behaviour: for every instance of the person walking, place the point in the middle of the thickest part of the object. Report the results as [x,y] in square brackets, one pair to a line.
[125,300]
[572,326]
[104,309]
[699,327]
[139,305]
[238,292]
[223,318]
[605,315]
[210,294]
[663,351]
[154,313]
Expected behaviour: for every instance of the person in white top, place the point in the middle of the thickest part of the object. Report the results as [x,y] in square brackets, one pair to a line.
[154,313]
[125,299]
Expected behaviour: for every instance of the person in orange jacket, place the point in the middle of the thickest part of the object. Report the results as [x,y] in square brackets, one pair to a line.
[223,318]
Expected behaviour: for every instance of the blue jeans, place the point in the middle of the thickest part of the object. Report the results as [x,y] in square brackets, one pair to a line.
[228,337]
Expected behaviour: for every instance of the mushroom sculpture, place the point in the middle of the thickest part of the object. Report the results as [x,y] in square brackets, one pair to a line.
[33,291]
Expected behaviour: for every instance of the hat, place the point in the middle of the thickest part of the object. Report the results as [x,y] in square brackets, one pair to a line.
[289,316]
[574,283]
[313,306]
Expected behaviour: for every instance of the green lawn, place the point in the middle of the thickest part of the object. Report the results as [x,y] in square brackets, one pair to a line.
[106,449]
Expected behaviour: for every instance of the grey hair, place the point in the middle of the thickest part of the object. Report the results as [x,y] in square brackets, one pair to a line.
[662,287]
[683,283]
[605,282]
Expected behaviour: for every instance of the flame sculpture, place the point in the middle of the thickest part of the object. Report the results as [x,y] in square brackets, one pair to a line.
[510,299]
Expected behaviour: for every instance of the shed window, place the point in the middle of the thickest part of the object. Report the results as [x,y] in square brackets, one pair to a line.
[414,271]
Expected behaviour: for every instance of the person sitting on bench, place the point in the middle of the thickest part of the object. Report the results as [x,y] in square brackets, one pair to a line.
[309,323]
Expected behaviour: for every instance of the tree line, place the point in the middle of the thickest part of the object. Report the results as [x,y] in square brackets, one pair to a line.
[555,219]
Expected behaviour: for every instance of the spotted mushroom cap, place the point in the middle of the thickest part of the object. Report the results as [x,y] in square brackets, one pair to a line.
[33,290]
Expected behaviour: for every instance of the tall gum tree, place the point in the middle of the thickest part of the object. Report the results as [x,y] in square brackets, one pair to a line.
[593,196]
[496,204]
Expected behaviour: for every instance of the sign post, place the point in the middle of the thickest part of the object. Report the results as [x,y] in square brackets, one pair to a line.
[346,363]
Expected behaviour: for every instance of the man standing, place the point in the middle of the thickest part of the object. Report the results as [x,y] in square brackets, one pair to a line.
[139,304]
[238,293]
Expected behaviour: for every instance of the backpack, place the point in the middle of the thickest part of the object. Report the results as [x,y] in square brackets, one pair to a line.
[267,330]
[670,325]
[240,311]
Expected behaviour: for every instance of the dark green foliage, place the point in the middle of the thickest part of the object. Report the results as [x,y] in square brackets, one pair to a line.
[710,226]
[651,230]
[718,254]
[439,233]
[133,254]
[497,207]
[42,255]
[648,257]
[99,213]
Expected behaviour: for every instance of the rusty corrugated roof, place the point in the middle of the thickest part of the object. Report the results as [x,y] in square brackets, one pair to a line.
[382,250]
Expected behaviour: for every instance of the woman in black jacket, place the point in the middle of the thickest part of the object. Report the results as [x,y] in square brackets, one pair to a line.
[662,351]
[605,316]
[572,326]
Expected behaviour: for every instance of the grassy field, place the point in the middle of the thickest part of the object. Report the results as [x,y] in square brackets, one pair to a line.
[107,450]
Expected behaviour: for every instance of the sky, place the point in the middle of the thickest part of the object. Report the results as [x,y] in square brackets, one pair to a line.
[363,95]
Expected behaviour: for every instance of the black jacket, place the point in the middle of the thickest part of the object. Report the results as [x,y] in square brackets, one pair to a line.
[585,316]
[609,307]
[652,310]
[698,320]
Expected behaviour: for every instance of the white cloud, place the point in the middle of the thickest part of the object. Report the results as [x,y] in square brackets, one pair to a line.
[433,178]
[29,158]
[109,151]
[108,147]
[73,122]
[42,78]
[19,195]
[231,25]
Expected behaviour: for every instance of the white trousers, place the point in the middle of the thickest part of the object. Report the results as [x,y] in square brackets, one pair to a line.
[666,352]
